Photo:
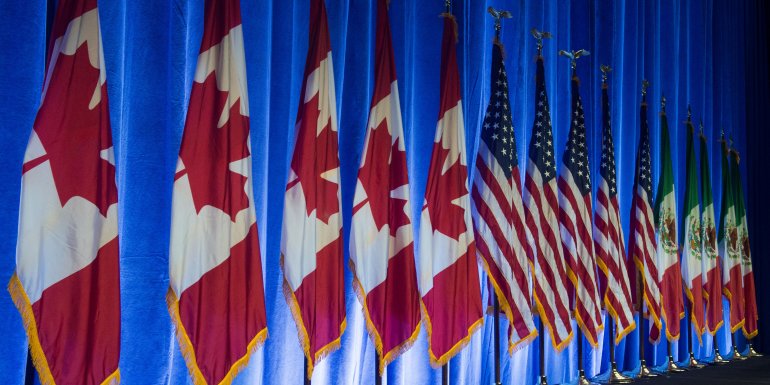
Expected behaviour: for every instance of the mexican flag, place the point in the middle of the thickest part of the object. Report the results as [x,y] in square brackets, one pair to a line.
[691,239]
[665,221]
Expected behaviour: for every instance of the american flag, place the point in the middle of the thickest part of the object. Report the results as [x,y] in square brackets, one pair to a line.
[608,234]
[642,240]
[498,215]
[543,237]
[575,222]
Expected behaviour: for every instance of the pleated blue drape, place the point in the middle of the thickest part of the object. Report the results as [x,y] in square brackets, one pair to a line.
[692,51]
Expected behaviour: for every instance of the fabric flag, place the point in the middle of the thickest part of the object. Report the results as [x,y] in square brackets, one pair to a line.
[311,242]
[642,243]
[449,280]
[67,282]
[749,293]
[543,238]
[575,222]
[608,234]
[669,272]
[729,246]
[712,281]
[381,245]
[216,298]
[692,244]
[498,214]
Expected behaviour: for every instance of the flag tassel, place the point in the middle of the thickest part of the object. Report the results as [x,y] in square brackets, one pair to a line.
[188,351]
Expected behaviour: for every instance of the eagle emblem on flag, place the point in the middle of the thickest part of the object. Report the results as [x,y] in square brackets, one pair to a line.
[668,231]
[695,239]
[710,238]
[733,248]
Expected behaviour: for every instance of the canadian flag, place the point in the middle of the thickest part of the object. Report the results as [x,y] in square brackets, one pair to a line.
[66,284]
[381,246]
[311,243]
[216,298]
[449,280]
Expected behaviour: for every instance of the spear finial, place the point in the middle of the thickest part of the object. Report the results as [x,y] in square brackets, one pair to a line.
[689,113]
[448,5]
[663,103]
[645,84]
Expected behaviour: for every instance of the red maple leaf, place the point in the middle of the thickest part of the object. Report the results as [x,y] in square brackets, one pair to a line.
[446,216]
[384,171]
[73,135]
[313,156]
[208,150]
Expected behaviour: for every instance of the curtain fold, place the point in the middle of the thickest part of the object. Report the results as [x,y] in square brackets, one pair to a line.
[692,51]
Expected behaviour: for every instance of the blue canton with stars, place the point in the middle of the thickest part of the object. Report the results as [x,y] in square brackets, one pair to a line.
[607,168]
[497,132]
[541,143]
[643,162]
[576,154]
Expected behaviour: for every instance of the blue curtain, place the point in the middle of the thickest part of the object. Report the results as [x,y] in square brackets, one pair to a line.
[693,51]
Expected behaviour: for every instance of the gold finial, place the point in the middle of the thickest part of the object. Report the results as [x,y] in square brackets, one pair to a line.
[605,71]
[645,84]
[539,36]
[498,14]
[573,56]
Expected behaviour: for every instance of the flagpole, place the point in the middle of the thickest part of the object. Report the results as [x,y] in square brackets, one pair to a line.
[582,380]
[615,376]
[445,374]
[692,363]
[497,15]
[644,371]
[671,367]
[543,380]
[445,367]
[377,376]
[497,340]
[307,378]
[736,354]
[539,36]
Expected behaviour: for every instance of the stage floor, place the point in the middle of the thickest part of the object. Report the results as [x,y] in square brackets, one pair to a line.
[752,371]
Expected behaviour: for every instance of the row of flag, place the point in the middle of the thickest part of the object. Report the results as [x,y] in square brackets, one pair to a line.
[66,283]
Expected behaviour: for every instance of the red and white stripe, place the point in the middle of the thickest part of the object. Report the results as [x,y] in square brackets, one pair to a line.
[448,272]
[544,250]
[381,244]
[500,240]
[67,282]
[643,249]
[216,296]
[577,243]
[611,258]
[311,242]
